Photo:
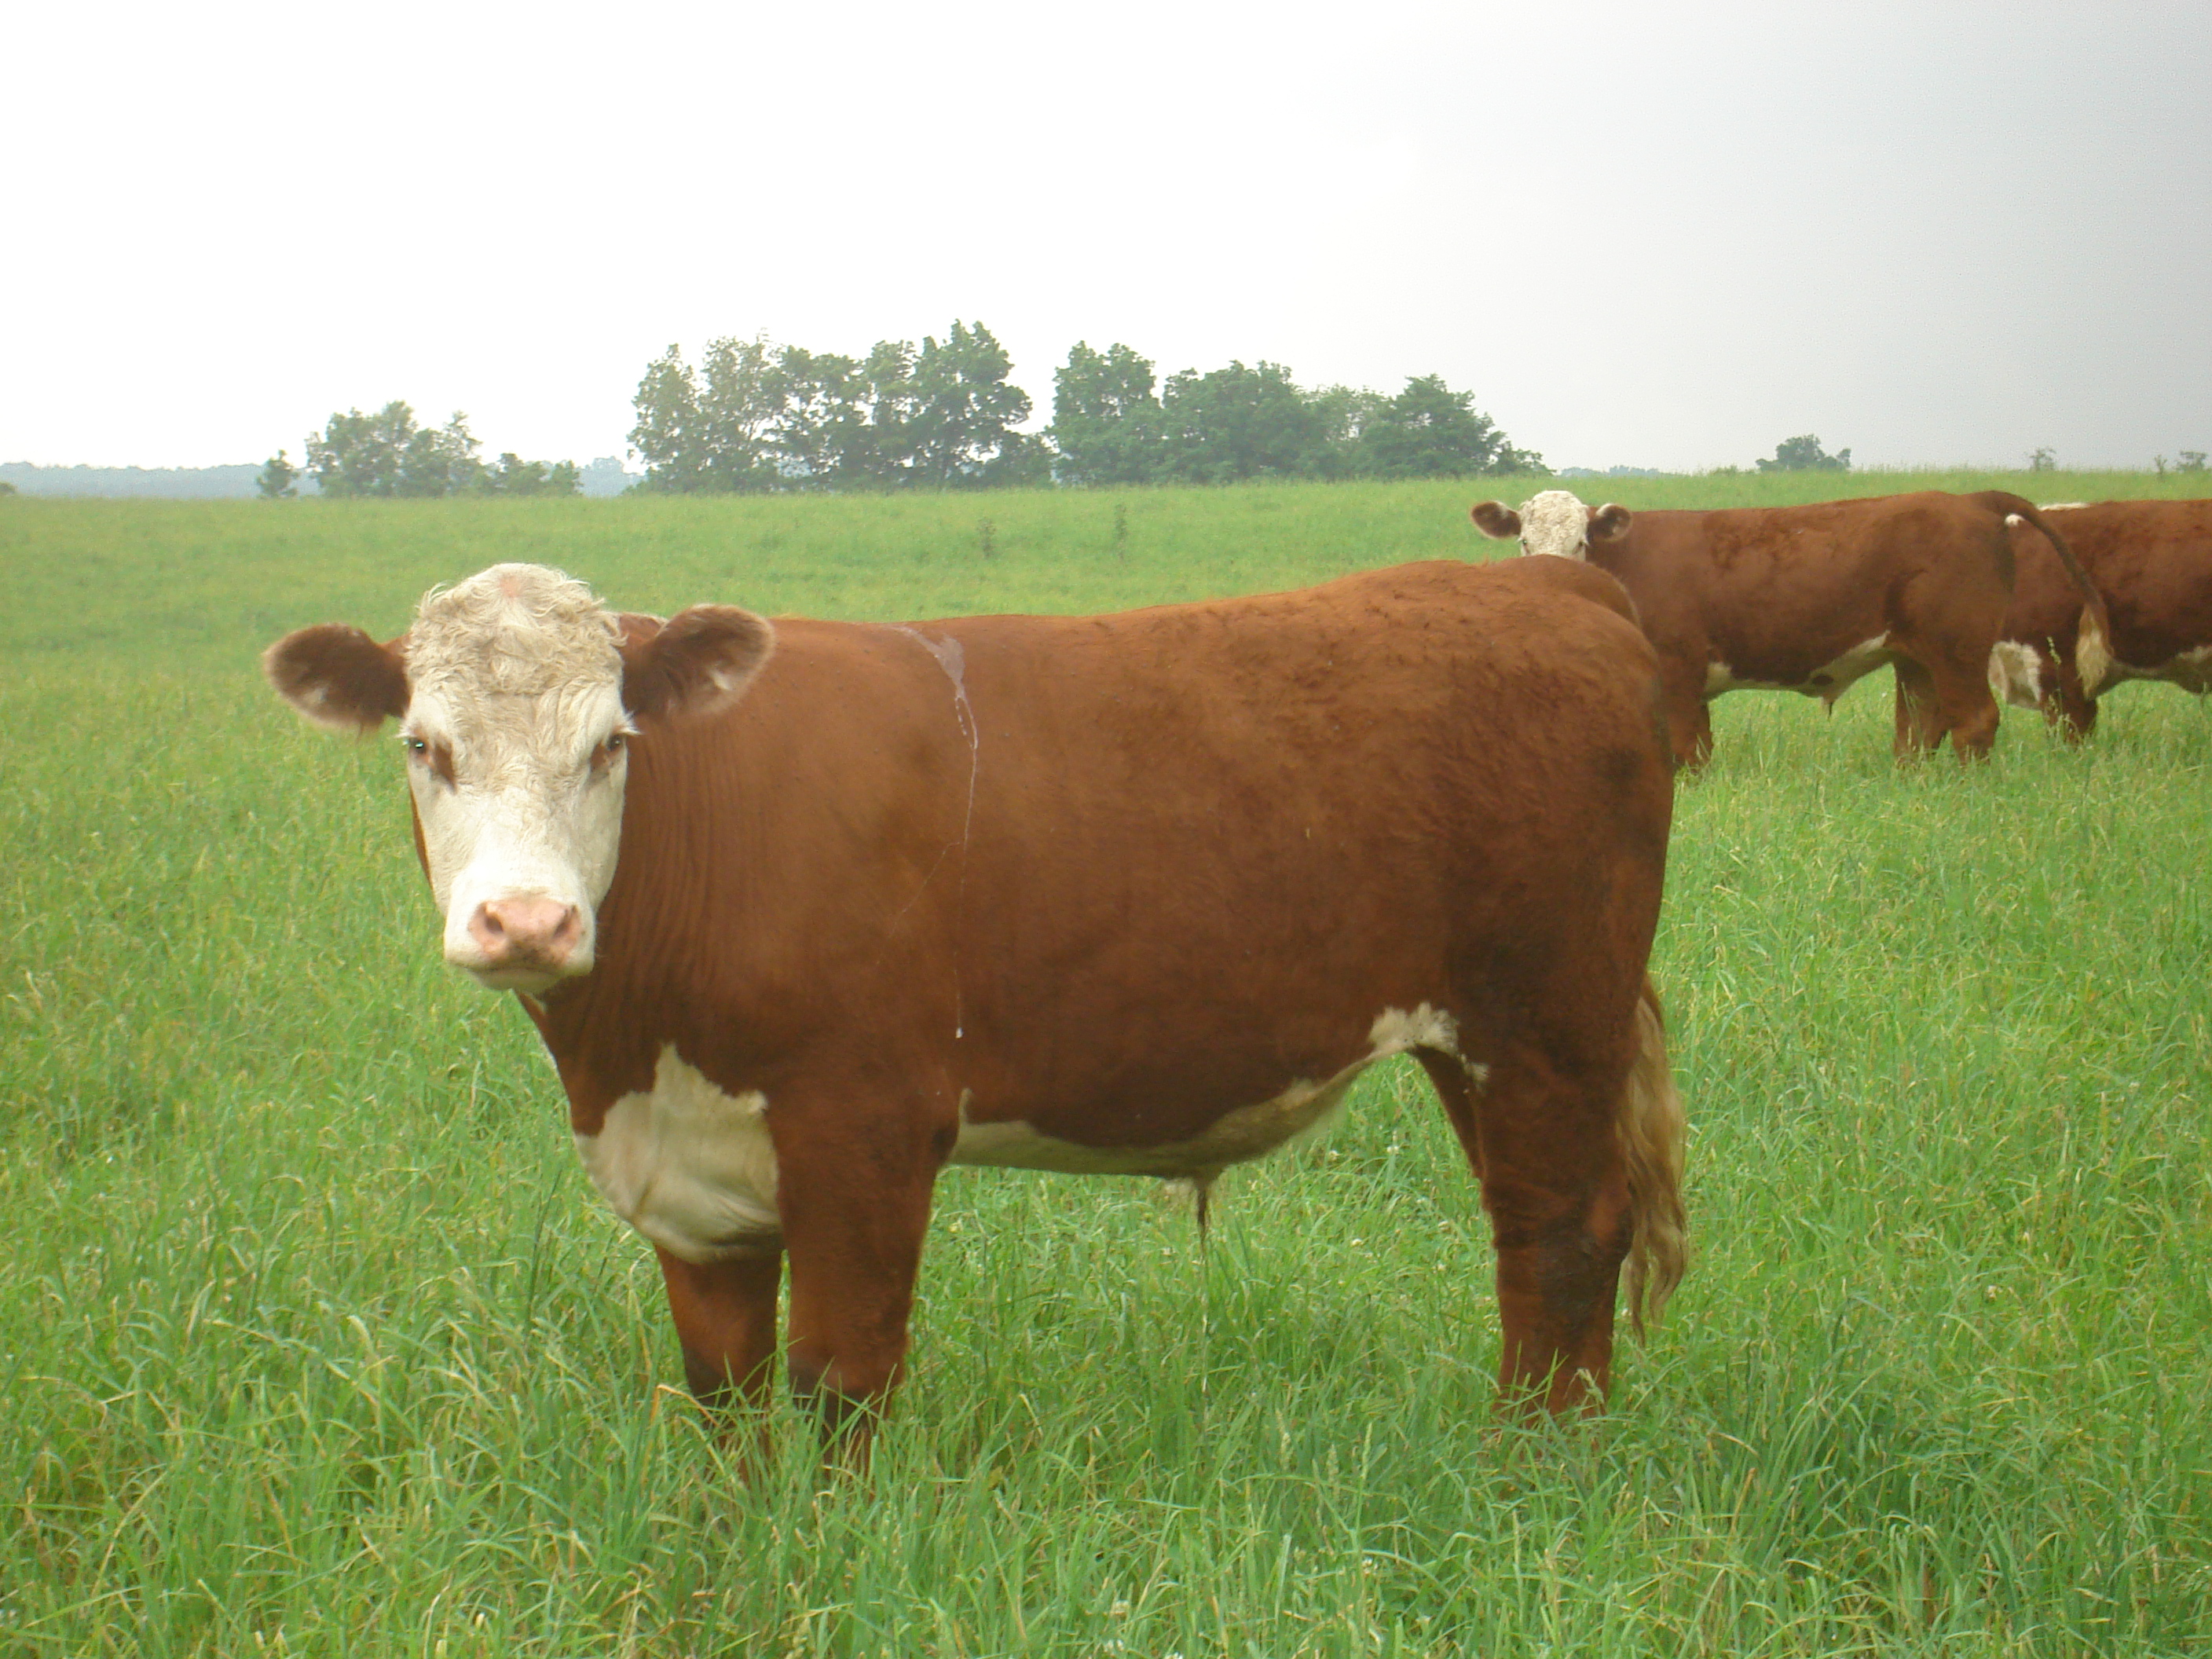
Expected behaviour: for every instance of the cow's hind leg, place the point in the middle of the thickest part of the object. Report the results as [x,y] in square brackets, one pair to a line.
[1581,1164]
[1919,719]
[1557,1190]
[1949,698]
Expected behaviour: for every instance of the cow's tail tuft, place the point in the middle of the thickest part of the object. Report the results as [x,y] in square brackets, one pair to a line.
[1652,1129]
[2093,639]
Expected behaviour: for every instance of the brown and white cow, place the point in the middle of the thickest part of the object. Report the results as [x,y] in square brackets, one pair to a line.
[1809,599]
[806,911]
[2152,561]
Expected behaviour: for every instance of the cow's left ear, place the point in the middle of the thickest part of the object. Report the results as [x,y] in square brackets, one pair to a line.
[699,660]
[1495,520]
[1610,522]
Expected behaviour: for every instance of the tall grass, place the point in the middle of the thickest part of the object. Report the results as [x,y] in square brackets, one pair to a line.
[314,1339]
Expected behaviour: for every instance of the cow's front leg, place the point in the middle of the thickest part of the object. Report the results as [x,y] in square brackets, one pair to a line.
[854,1219]
[724,1314]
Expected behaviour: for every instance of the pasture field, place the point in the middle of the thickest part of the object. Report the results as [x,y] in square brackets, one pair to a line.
[314,1339]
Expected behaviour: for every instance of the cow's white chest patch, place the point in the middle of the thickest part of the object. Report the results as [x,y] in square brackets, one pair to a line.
[688,1166]
[1828,683]
[1240,1134]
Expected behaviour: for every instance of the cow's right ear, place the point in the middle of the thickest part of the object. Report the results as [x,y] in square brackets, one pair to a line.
[699,660]
[1610,522]
[337,676]
[1496,520]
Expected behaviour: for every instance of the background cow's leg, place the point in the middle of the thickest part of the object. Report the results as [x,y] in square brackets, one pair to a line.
[2068,706]
[724,1314]
[1919,717]
[1689,717]
[1557,1190]
[1448,1074]
[853,1219]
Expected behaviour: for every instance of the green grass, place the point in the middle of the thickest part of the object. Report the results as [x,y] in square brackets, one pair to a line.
[314,1339]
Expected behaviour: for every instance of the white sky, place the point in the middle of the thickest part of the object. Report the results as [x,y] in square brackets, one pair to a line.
[1655,235]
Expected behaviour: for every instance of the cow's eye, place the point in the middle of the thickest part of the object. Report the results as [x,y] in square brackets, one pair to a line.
[417,746]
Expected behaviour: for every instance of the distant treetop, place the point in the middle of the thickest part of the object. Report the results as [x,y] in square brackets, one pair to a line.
[1804,454]
[390,453]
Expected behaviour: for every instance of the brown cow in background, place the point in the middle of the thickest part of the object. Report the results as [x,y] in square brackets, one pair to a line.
[806,910]
[2152,561]
[1811,599]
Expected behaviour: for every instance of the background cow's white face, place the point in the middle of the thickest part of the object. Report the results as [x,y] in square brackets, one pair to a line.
[515,692]
[1552,521]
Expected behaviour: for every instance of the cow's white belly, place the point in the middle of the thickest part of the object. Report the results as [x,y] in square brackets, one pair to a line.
[1828,683]
[1246,1133]
[688,1166]
[2016,674]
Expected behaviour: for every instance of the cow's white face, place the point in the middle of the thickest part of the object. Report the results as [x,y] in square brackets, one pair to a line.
[1554,522]
[516,692]
[517,755]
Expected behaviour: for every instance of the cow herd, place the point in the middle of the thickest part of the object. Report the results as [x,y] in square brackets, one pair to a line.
[805,911]
[1972,598]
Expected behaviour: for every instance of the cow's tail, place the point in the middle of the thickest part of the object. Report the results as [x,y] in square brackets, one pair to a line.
[2092,642]
[1652,1129]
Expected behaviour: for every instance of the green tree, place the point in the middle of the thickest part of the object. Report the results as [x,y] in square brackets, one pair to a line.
[715,431]
[1804,454]
[667,436]
[440,460]
[1107,421]
[279,480]
[389,454]
[515,476]
[1237,422]
[741,404]
[964,410]
[1429,431]
[878,451]
[825,418]
[358,454]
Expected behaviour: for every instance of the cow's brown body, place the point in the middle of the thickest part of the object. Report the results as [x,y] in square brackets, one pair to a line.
[1811,598]
[1142,893]
[2152,561]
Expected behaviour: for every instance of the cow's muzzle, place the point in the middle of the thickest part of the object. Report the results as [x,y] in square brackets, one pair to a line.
[524,944]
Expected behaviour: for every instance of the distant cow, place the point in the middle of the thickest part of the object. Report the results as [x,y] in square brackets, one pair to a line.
[2152,561]
[807,911]
[1810,599]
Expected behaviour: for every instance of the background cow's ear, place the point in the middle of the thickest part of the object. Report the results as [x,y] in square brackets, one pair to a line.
[701,660]
[1496,519]
[339,677]
[635,628]
[1610,522]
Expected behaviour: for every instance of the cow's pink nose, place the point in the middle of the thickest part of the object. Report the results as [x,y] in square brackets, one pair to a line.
[527,933]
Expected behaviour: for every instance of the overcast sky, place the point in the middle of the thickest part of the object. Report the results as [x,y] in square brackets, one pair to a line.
[1651,235]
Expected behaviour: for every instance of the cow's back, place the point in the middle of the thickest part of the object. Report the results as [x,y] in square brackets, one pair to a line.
[1775,592]
[2152,561]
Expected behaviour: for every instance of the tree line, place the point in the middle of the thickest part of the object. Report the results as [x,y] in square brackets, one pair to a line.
[391,453]
[754,416]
